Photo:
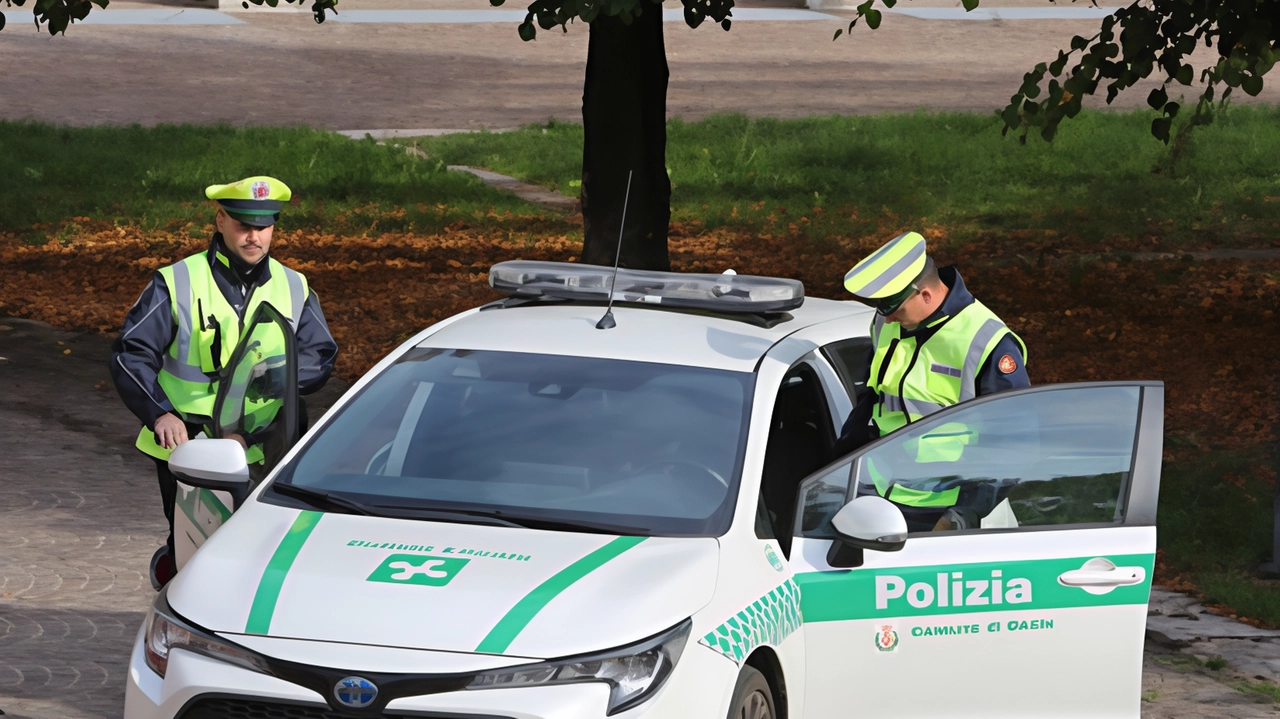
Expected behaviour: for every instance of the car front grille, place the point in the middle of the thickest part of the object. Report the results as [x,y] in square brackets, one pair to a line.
[246,708]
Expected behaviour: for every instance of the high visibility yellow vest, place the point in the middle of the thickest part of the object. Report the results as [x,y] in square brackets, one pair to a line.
[189,371]
[915,380]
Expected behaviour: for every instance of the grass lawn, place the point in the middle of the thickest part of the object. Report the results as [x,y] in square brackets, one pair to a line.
[155,178]
[1104,179]
[1103,176]
[1215,522]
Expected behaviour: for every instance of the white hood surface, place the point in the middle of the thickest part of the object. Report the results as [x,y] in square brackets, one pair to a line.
[537,594]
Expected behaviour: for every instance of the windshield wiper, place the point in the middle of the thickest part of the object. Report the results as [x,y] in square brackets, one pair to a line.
[336,502]
[516,520]
[329,500]
[320,499]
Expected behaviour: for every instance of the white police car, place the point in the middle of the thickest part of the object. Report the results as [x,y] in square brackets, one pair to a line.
[517,514]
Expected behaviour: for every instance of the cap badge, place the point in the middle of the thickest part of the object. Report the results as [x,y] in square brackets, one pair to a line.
[260,190]
[1007,364]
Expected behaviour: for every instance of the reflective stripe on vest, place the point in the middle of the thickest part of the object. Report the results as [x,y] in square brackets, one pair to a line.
[916,381]
[188,372]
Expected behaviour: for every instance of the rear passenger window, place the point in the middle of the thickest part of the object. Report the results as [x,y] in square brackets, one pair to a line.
[852,362]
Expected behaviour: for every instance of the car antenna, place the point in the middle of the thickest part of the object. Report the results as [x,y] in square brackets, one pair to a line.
[606,322]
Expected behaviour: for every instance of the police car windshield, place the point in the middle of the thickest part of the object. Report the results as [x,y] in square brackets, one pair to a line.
[602,443]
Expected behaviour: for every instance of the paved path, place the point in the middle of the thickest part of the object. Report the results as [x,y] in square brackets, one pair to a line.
[286,70]
[80,516]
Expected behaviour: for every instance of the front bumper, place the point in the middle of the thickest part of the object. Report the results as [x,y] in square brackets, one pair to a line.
[196,687]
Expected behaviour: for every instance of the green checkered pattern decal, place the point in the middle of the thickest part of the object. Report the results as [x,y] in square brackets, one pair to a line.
[768,620]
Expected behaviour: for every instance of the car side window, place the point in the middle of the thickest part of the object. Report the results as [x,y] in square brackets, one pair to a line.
[1058,457]
[851,359]
[800,440]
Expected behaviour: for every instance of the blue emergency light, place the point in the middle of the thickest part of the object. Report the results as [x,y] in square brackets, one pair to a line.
[728,292]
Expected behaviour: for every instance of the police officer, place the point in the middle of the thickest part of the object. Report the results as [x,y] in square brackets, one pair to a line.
[182,330]
[935,346]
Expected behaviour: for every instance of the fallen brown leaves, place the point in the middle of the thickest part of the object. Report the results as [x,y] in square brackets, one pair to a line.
[1208,330]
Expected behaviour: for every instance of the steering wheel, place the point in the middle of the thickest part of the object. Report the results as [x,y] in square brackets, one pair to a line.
[686,463]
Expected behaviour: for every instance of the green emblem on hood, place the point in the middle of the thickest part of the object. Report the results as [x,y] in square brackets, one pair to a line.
[418,569]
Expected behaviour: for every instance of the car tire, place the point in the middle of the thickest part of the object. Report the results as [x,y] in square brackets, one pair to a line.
[752,697]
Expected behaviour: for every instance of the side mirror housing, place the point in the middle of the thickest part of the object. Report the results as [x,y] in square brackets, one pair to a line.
[211,464]
[868,522]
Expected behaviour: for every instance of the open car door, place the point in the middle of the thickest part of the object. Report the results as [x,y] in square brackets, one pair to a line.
[1020,586]
[257,403]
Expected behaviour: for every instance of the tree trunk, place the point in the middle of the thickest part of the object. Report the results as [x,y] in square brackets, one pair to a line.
[624,118]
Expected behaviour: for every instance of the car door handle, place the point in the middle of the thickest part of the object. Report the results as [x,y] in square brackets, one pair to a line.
[1099,576]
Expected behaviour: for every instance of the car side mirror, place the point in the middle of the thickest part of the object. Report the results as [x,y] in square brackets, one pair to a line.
[212,464]
[868,522]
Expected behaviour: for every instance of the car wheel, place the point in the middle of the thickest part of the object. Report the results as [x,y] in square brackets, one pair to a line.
[752,698]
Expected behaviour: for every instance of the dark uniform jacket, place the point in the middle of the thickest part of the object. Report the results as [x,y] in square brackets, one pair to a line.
[149,329]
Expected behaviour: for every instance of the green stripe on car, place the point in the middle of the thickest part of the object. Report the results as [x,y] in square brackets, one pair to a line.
[519,616]
[264,600]
[966,588]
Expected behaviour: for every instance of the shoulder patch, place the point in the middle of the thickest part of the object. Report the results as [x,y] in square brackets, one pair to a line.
[1007,364]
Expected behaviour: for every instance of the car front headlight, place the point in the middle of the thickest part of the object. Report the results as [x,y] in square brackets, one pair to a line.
[165,632]
[633,672]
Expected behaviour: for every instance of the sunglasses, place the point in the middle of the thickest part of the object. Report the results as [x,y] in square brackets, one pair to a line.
[888,305]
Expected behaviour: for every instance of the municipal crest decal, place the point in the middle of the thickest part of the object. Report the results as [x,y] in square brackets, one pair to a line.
[887,638]
[260,190]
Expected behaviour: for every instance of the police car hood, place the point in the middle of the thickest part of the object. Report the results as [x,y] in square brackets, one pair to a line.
[440,586]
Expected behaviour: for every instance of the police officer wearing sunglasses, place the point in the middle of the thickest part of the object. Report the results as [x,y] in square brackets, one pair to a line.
[935,345]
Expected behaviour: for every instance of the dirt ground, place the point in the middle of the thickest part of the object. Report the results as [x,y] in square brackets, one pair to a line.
[1193,324]
[282,69]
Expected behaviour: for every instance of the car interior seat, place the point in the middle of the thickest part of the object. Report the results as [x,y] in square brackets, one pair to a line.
[800,439]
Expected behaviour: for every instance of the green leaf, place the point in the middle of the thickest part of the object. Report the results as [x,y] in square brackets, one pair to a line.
[839,31]
[527,30]
[1,21]
[969,5]
[725,24]
[1057,65]
[693,16]
[1157,98]
[889,3]
[1171,109]
[496,3]
[1252,85]
[1012,118]
[1231,74]
[1185,74]
[1079,43]
[1160,129]
[873,19]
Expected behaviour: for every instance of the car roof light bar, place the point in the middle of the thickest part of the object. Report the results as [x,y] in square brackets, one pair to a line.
[718,293]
